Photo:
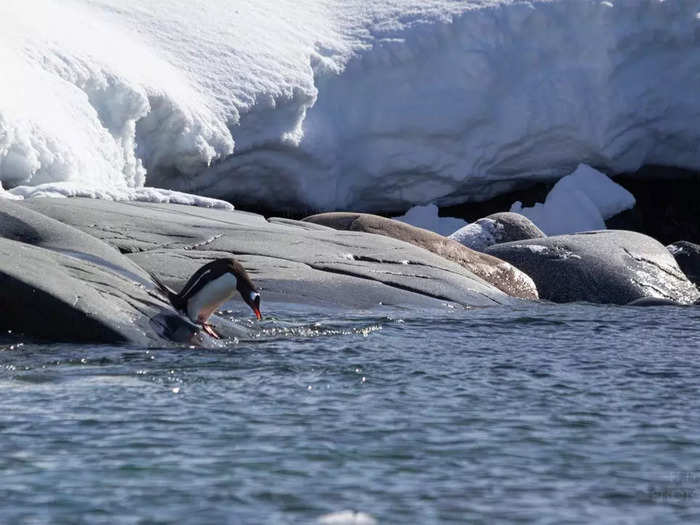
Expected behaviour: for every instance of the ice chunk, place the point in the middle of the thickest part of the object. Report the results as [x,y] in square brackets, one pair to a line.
[427,217]
[146,194]
[578,202]
[609,197]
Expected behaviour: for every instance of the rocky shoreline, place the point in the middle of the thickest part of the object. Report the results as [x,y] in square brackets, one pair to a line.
[78,269]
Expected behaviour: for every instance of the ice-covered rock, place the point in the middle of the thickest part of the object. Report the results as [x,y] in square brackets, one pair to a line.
[496,228]
[343,104]
[578,202]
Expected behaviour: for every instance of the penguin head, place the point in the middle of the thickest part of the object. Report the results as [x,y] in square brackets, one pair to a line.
[246,288]
[253,300]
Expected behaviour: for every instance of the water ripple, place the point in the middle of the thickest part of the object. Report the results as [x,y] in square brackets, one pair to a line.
[581,413]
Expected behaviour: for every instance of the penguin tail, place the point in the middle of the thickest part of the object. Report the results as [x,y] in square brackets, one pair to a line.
[172,296]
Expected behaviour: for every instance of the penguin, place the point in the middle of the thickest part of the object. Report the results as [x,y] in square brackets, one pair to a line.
[211,286]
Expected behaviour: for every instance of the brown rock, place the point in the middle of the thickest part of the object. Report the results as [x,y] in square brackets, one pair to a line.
[499,273]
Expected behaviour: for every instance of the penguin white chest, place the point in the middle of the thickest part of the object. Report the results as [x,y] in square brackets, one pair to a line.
[212,295]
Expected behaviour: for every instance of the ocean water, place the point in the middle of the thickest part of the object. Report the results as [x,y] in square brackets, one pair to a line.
[537,414]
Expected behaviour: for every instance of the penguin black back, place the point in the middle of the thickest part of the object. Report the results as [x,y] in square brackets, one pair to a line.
[204,275]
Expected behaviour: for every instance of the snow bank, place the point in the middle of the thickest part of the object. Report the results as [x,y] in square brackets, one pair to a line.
[427,217]
[83,106]
[343,104]
[578,202]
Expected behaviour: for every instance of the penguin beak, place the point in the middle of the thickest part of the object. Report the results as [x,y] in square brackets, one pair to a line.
[256,307]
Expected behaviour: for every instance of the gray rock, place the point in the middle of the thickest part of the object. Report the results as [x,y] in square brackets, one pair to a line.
[609,266]
[687,255]
[63,284]
[516,227]
[495,229]
[292,261]
[19,223]
[47,294]
[492,270]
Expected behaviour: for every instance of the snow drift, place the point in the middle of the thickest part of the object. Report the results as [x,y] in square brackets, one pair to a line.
[331,104]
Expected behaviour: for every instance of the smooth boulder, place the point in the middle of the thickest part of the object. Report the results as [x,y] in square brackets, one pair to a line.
[492,270]
[61,283]
[687,255]
[22,224]
[496,228]
[48,295]
[607,266]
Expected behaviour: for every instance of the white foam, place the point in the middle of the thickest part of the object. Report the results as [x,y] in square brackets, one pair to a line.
[347,517]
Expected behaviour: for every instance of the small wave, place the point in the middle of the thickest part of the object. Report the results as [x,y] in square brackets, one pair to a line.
[347,517]
[284,330]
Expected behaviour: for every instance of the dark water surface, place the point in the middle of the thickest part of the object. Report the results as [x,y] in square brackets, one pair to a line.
[544,414]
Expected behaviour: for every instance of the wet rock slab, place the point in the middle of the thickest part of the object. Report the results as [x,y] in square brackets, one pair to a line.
[62,284]
[77,269]
[292,261]
[608,266]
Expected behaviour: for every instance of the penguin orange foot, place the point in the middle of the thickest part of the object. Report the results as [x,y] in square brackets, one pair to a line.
[209,328]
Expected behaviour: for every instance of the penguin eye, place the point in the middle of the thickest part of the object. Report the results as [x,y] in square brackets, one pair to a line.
[254,296]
